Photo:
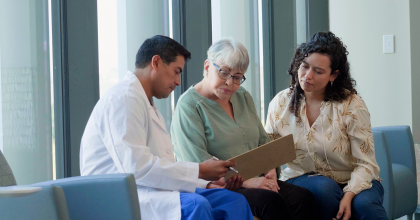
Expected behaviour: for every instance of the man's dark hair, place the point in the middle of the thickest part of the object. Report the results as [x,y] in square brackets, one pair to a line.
[167,48]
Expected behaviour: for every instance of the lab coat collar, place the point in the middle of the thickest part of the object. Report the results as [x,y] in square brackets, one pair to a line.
[153,111]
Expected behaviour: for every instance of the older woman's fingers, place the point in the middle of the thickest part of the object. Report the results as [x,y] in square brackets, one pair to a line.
[270,186]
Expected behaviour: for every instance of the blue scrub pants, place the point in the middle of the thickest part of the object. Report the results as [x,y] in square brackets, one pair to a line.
[214,204]
[366,205]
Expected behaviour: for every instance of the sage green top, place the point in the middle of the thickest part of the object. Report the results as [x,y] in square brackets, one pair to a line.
[201,128]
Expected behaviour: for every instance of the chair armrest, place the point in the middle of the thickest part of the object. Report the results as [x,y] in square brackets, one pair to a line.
[47,203]
[405,188]
[401,145]
[383,159]
[110,196]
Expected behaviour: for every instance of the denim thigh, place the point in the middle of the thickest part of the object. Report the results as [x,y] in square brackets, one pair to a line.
[326,191]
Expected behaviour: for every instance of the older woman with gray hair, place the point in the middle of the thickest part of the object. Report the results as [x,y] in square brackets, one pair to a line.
[217,117]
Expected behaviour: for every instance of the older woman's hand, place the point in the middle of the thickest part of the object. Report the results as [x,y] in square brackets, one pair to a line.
[272,174]
[262,183]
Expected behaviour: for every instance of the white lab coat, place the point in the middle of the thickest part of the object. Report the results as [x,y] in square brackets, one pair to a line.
[126,134]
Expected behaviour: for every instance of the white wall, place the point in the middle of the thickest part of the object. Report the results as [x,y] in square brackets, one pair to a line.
[383,80]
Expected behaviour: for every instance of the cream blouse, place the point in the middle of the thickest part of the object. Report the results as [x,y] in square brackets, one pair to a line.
[338,145]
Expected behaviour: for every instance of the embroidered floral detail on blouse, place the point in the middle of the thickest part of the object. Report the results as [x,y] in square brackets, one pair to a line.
[354,161]
[341,145]
[282,103]
[367,146]
[273,136]
[300,154]
[277,116]
[329,136]
[284,122]
[329,120]
[310,135]
[299,124]
[365,130]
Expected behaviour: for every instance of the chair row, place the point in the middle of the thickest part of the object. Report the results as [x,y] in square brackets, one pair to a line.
[111,196]
[114,196]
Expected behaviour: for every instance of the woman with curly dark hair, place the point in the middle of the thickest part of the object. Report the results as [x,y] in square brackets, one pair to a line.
[332,132]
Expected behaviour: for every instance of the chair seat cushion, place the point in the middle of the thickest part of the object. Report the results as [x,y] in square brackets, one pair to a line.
[405,188]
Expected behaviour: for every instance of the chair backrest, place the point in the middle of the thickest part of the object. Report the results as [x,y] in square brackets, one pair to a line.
[6,175]
[49,203]
[110,196]
[383,159]
[401,145]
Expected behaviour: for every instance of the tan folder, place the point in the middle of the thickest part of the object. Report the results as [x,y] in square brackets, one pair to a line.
[264,158]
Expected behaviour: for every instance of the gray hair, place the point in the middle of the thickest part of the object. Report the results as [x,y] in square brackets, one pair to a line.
[230,53]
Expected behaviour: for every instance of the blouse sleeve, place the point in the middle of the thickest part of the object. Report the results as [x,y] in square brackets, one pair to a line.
[363,153]
[188,134]
[269,124]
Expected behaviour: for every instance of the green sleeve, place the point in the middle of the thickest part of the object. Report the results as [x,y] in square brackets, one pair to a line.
[188,135]
[263,135]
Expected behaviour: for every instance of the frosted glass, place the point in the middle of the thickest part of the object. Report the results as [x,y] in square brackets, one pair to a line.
[238,20]
[25,94]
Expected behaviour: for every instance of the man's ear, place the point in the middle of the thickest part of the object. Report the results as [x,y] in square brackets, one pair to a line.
[334,75]
[156,62]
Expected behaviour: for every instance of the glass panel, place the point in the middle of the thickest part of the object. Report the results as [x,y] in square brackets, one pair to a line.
[122,28]
[25,97]
[241,24]
[300,21]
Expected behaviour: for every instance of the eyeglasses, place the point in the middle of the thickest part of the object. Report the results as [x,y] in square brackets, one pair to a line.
[226,76]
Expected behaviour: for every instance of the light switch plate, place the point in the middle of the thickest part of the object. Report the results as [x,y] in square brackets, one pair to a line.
[389,44]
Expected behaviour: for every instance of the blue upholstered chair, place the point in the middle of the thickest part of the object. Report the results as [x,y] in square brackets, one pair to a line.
[25,203]
[111,196]
[395,155]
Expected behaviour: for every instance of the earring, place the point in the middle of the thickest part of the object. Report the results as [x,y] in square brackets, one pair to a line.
[331,83]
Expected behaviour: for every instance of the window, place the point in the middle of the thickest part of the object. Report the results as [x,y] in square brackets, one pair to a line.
[26,122]
[122,27]
[243,24]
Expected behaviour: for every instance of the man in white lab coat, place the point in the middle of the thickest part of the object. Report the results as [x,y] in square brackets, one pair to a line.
[127,134]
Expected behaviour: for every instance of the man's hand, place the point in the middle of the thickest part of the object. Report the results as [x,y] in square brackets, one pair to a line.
[345,206]
[213,170]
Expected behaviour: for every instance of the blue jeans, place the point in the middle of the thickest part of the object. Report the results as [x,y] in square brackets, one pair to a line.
[328,194]
[209,204]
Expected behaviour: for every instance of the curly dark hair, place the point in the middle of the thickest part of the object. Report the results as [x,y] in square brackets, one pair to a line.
[328,44]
